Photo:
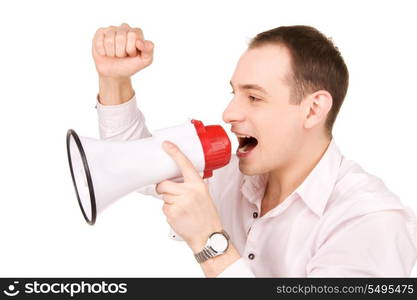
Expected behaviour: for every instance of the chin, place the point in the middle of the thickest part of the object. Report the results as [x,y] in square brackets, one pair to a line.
[249,170]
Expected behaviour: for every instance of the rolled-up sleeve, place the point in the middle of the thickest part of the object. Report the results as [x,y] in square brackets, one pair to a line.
[239,268]
[121,122]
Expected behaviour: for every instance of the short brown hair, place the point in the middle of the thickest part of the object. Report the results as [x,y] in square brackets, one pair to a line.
[316,64]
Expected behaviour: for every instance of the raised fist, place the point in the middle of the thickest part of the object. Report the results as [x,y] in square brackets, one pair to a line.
[121,51]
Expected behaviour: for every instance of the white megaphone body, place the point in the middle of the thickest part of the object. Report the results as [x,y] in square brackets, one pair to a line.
[105,171]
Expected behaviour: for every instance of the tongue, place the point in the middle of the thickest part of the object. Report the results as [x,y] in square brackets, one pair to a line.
[248,147]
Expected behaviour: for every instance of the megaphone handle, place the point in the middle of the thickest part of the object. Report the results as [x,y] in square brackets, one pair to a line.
[173,235]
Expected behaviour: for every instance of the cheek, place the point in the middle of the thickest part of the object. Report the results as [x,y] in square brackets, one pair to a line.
[280,124]
[280,132]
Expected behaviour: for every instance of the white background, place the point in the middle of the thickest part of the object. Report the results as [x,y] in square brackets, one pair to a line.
[49,83]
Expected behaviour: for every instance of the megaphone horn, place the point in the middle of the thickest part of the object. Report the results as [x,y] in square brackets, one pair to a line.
[104,171]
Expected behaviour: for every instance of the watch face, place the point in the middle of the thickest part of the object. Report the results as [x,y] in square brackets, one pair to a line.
[218,242]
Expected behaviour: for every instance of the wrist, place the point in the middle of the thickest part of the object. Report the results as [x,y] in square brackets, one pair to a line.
[115,90]
[217,245]
[214,267]
[199,242]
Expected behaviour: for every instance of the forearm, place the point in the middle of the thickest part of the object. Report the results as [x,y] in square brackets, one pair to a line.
[118,115]
[114,91]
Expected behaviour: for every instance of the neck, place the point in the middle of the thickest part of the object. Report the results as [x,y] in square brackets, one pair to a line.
[283,181]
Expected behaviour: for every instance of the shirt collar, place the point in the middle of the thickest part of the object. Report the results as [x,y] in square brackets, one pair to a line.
[253,188]
[315,189]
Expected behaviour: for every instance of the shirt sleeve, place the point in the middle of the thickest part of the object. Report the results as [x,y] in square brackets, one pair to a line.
[121,122]
[124,122]
[380,244]
[239,268]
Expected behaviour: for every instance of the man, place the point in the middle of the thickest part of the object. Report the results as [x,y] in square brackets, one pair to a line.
[288,204]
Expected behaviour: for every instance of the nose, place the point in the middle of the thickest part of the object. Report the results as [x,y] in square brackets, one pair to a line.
[233,112]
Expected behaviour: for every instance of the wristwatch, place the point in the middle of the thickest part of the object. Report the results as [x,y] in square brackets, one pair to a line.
[217,244]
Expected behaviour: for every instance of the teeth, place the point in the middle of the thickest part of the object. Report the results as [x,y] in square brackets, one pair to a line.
[243,136]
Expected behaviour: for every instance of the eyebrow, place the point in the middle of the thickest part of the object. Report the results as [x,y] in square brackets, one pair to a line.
[250,86]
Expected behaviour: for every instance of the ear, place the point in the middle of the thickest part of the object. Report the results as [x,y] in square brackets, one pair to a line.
[316,107]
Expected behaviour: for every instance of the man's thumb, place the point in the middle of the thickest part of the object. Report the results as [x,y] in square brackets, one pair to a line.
[148,51]
[145,47]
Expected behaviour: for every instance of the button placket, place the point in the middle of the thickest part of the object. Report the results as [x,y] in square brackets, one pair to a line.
[250,243]
[255,221]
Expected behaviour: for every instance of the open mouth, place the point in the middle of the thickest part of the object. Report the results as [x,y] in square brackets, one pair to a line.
[246,144]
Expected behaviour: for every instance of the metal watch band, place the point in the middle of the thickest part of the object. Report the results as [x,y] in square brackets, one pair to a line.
[204,255]
[207,252]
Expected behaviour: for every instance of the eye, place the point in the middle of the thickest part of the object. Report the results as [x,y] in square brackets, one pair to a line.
[254,99]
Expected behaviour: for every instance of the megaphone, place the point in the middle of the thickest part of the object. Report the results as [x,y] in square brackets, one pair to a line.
[104,171]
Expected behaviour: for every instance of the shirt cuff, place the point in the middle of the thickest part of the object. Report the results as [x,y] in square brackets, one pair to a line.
[239,268]
[113,117]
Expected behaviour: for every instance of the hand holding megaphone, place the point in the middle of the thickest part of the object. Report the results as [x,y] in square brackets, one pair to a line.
[189,208]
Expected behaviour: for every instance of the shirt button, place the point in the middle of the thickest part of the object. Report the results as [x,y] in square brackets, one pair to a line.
[255,215]
[251,256]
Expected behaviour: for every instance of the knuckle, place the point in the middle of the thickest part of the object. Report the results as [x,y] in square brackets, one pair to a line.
[109,29]
[99,31]
[120,36]
[138,32]
[131,35]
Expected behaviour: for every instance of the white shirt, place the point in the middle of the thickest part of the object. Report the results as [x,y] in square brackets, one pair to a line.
[340,222]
